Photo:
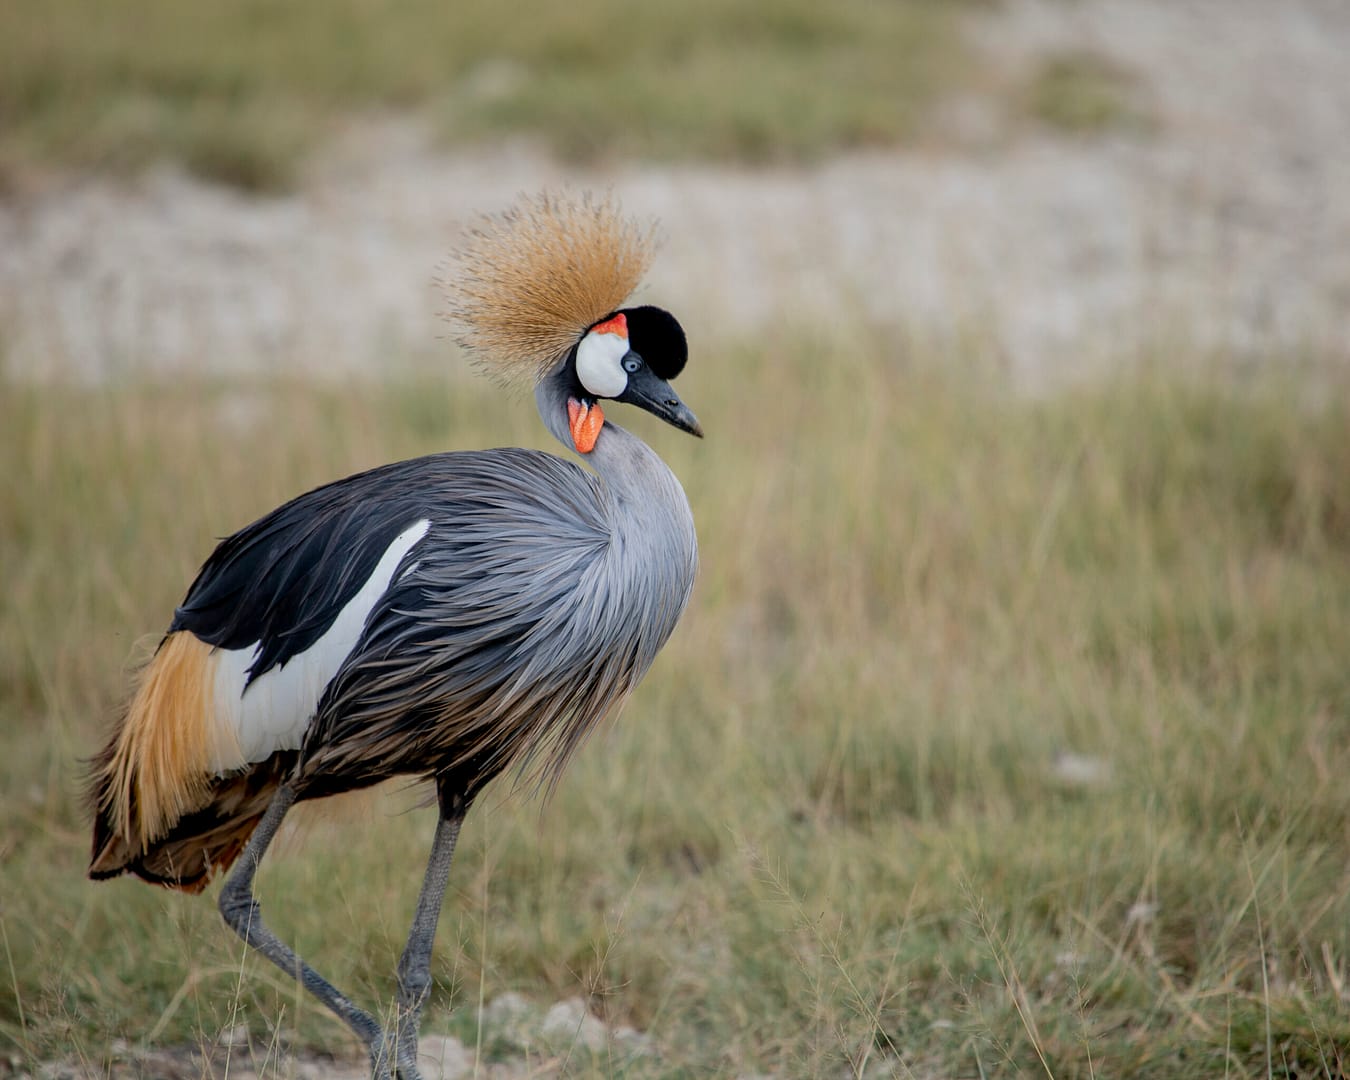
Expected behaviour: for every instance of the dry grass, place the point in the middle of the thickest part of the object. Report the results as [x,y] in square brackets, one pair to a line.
[238,91]
[1005,736]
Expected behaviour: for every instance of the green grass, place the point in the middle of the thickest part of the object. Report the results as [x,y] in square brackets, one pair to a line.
[240,90]
[831,825]
[1084,93]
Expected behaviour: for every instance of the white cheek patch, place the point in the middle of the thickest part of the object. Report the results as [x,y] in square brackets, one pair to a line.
[275,710]
[599,364]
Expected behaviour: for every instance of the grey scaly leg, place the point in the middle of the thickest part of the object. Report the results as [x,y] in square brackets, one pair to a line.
[242,913]
[414,969]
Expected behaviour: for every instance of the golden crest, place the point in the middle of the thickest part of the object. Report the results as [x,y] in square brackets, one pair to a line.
[528,282]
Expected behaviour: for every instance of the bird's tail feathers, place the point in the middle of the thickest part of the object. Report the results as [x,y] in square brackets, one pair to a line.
[200,844]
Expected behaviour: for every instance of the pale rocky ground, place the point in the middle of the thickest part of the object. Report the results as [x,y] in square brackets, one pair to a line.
[529,1040]
[525,1040]
[1227,225]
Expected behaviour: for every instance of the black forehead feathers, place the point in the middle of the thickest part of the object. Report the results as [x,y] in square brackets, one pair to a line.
[657,336]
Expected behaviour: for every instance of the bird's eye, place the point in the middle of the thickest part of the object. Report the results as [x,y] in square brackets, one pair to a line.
[631,363]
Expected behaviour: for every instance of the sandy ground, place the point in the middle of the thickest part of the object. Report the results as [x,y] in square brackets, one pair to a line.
[1227,226]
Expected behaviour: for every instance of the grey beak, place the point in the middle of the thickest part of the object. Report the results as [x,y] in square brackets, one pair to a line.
[648,391]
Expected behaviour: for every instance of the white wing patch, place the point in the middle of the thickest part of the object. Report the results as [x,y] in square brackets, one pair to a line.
[275,710]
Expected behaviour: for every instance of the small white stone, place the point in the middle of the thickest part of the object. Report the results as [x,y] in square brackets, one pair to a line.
[631,1041]
[443,1057]
[235,1036]
[1141,913]
[882,1067]
[506,1010]
[569,1022]
[1080,770]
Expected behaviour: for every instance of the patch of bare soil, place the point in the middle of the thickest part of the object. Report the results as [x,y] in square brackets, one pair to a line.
[522,1040]
[442,1058]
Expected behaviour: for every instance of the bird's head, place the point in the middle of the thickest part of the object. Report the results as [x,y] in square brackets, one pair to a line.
[536,293]
[629,356]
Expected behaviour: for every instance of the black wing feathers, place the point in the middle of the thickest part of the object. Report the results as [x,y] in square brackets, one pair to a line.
[283,580]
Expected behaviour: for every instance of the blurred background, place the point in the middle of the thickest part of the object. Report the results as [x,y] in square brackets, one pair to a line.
[1009,727]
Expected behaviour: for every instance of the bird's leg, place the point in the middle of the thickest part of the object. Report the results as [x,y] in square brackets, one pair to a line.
[414,969]
[244,917]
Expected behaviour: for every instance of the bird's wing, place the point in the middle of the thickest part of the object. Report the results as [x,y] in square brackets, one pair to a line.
[291,600]
[277,585]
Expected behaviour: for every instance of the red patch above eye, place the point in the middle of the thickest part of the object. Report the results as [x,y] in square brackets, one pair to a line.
[617,325]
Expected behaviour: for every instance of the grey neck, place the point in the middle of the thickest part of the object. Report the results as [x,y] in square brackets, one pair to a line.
[650,563]
[644,491]
[550,397]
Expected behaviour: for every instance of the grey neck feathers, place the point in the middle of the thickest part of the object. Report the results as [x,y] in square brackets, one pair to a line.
[654,550]
[633,473]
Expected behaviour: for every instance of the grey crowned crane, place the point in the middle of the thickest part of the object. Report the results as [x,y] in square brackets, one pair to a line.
[444,618]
